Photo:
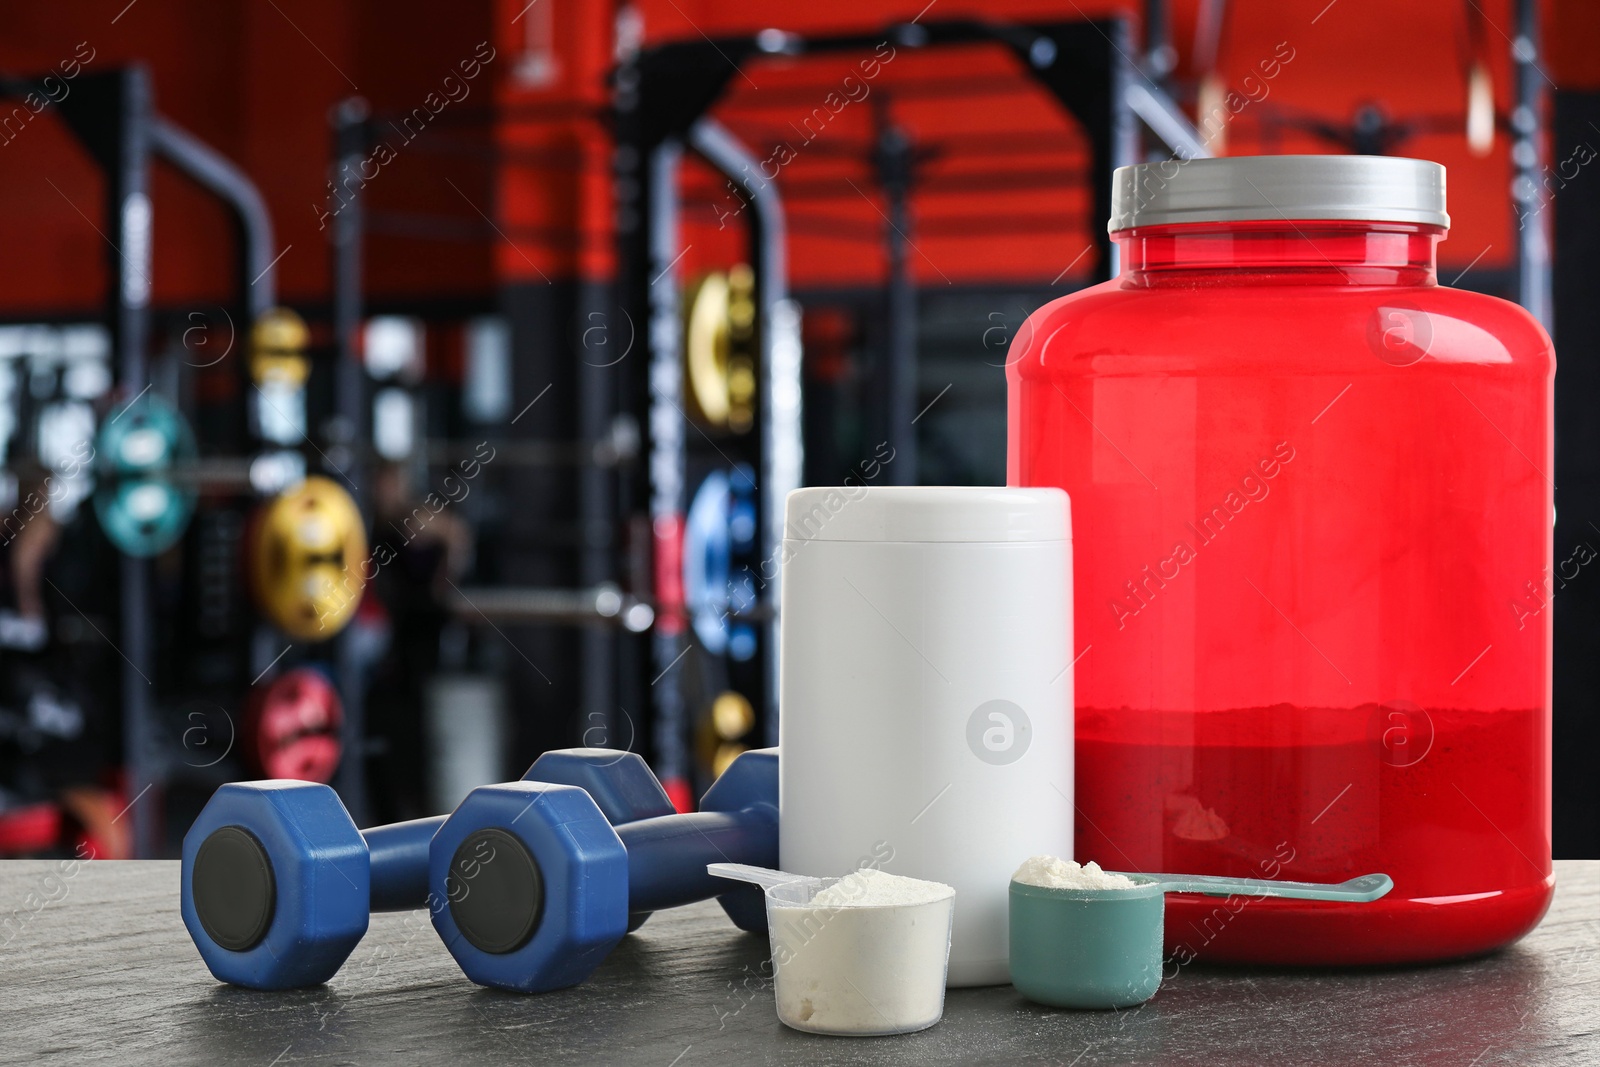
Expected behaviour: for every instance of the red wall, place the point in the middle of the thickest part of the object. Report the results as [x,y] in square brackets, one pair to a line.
[1408,56]
[256,79]
[1001,194]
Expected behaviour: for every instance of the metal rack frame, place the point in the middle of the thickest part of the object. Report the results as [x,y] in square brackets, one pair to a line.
[663,96]
[114,115]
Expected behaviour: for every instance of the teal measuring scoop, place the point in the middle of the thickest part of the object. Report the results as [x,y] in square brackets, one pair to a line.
[1101,948]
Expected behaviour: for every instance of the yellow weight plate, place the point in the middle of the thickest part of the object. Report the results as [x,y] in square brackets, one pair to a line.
[310,559]
[705,350]
[719,349]
[277,348]
[280,330]
[731,715]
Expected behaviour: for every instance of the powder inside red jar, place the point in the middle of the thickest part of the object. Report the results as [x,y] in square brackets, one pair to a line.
[1438,799]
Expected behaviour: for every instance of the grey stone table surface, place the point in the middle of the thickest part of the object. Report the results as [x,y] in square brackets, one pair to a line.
[96,968]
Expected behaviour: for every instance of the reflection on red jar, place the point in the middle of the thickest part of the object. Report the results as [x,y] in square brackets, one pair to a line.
[1312,510]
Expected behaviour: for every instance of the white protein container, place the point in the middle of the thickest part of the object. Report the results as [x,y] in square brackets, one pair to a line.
[926,693]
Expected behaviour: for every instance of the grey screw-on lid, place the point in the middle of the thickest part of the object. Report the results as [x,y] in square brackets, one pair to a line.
[1365,188]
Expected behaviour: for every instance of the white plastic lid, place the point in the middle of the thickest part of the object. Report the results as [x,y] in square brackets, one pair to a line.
[927,513]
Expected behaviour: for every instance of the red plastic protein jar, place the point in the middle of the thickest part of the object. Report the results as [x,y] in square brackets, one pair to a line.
[1312,504]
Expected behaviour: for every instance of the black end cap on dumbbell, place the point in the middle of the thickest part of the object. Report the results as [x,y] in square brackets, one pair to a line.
[233,888]
[496,891]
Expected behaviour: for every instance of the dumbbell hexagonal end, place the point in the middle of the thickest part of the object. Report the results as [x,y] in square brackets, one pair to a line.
[749,784]
[276,884]
[620,783]
[528,886]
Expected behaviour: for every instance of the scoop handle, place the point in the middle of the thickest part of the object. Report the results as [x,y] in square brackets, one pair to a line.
[1355,891]
[765,877]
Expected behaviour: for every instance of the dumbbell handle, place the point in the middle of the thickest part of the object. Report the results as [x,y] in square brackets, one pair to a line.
[667,855]
[399,854]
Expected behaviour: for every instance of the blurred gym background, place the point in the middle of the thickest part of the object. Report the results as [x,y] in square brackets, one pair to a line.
[392,391]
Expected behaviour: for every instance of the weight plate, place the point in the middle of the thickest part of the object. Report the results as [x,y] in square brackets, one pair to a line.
[719,349]
[292,727]
[719,527]
[309,559]
[143,510]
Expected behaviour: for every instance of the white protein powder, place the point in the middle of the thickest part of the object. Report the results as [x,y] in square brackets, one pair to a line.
[866,955]
[871,888]
[1050,872]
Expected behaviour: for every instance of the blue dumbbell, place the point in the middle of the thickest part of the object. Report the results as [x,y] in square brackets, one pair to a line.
[538,886]
[278,883]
